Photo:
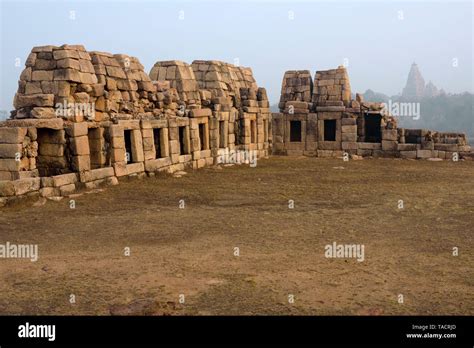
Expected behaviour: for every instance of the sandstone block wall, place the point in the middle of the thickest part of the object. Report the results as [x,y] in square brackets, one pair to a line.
[84,119]
[331,123]
[332,86]
[297,86]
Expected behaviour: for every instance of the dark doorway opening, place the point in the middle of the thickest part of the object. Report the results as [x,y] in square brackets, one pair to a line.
[53,154]
[411,137]
[182,139]
[157,142]
[372,128]
[202,134]
[128,146]
[330,130]
[295,131]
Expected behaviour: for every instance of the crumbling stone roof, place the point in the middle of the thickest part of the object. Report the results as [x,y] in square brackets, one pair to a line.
[116,84]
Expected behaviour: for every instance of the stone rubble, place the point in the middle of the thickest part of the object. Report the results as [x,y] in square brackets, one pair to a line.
[85,119]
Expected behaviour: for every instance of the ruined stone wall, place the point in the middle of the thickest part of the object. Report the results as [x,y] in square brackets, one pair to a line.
[332,86]
[331,123]
[181,77]
[297,86]
[230,98]
[84,119]
[53,75]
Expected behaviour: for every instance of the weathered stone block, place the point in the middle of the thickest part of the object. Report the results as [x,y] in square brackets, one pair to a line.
[33,88]
[5,175]
[120,169]
[22,101]
[137,149]
[424,153]
[348,122]
[68,63]
[62,54]
[50,192]
[42,75]
[174,146]
[10,165]
[81,163]
[56,123]
[446,147]
[388,145]
[77,129]
[42,112]
[98,174]
[349,129]
[80,145]
[118,142]
[390,134]
[349,145]
[65,179]
[23,186]
[67,75]
[135,168]
[408,154]
[427,145]
[154,165]
[118,154]
[47,181]
[147,132]
[10,150]
[352,137]
[201,112]
[67,190]
[7,188]
[406,147]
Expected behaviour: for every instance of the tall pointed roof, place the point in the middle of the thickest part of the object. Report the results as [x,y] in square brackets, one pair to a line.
[415,85]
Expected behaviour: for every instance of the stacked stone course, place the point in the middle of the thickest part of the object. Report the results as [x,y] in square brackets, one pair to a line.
[85,119]
[331,123]
[181,116]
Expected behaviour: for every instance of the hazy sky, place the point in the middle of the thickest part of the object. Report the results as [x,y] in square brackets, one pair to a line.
[379,39]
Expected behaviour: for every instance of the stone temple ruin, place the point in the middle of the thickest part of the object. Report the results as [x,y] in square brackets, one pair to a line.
[85,119]
[321,119]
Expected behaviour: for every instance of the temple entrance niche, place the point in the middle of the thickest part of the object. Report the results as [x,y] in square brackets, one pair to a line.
[53,153]
[182,134]
[330,130]
[128,146]
[295,131]
[373,133]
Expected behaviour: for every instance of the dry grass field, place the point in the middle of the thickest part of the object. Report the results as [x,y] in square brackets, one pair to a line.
[190,251]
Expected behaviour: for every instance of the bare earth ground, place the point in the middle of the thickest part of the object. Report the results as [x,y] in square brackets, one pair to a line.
[191,251]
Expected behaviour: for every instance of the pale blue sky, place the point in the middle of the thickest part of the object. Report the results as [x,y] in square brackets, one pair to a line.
[379,46]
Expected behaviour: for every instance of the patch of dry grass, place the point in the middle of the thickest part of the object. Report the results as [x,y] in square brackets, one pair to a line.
[191,251]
